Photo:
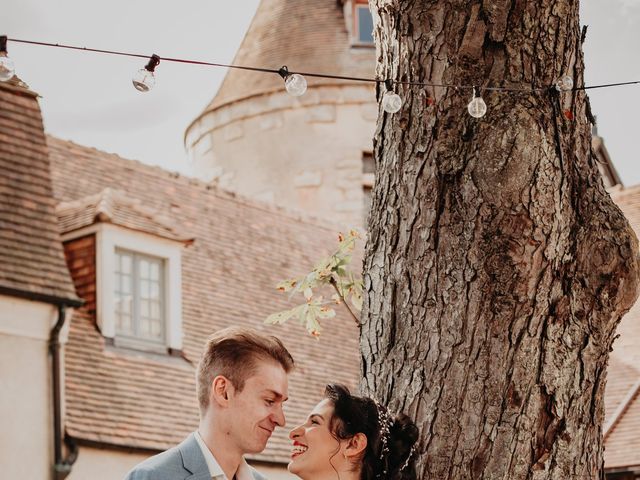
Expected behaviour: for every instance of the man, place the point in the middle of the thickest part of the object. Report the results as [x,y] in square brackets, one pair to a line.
[242,385]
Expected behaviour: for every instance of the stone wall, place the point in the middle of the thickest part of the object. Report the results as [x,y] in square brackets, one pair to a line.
[301,153]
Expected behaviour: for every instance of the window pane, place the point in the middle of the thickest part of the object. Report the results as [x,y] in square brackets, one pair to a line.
[155,310]
[122,294]
[126,305]
[144,308]
[155,291]
[125,284]
[124,323]
[365,25]
[144,268]
[156,329]
[139,289]
[125,263]
[144,327]
[155,271]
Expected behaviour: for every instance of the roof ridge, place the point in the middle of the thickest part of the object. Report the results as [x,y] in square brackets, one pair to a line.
[105,206]
[215,189]
[108,203]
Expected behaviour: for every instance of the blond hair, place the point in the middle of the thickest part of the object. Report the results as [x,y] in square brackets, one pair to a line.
[234,353]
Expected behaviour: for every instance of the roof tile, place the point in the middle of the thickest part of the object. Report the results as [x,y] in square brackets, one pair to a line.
[32,260]
[242,249]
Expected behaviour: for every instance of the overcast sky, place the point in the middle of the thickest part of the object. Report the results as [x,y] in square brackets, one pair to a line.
[88,98]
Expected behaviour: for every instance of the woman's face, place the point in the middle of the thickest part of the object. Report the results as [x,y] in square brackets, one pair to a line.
[316,453]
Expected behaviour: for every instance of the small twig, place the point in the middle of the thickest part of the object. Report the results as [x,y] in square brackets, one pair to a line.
[332,281]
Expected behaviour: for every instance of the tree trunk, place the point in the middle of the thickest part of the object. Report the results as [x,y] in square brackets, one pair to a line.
[497,267]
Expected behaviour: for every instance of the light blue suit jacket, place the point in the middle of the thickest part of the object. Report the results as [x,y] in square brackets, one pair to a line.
[182,462]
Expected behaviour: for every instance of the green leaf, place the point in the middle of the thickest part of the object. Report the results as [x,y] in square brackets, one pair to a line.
[280,317]
[330,270]
[356,301]
[326,312]
[313,326]
[286,285]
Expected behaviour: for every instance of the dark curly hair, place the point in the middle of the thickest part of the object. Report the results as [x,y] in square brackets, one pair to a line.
[354,415]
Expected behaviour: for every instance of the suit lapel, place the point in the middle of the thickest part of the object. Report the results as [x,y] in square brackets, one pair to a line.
[193,460]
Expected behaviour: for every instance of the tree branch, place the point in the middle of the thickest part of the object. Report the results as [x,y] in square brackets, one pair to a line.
[332,281]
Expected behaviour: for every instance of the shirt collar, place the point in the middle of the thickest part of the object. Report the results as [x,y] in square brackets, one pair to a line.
[215,470]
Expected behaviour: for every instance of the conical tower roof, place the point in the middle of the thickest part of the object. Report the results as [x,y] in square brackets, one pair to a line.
[305,35]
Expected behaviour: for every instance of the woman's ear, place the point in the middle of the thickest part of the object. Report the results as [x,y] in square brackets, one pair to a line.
[356,446]
[221,388]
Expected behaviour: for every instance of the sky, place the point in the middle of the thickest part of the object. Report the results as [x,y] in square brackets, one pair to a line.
[89,98]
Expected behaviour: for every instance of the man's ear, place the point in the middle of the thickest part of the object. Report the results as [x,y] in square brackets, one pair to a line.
[356,446]
[221,390]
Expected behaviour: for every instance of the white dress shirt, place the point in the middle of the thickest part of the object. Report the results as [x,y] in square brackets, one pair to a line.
[243,473]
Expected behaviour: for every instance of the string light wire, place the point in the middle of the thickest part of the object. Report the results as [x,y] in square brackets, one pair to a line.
[313,74]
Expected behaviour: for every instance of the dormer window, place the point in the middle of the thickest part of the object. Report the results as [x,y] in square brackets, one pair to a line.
[136,269]
[363,24]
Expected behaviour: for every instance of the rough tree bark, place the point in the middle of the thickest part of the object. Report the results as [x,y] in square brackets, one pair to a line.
[497,267]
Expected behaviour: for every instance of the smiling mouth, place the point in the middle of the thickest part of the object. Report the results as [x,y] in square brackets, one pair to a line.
[267,430]
[298,450]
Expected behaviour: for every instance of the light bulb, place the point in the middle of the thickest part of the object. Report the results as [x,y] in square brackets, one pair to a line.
[144,80]
[295,84]
[477,108]
[7,68]
[564,83]
[391,102]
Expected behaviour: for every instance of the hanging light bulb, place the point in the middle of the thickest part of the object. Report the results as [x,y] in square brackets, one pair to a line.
[564,83]
[477,108]
[145,79]
[7,67]
[294,83]
[391,101]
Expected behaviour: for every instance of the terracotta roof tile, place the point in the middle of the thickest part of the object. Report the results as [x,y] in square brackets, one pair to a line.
[242,249]
[115,207]
[622,440]
[31,255]
[622,446]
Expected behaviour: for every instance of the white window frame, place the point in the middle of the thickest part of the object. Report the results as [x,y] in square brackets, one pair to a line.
[136,257]
[110,237]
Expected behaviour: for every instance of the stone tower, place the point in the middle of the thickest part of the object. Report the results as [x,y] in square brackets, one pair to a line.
[310,153]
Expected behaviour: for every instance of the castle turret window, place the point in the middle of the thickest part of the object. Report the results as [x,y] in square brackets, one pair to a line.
[364,24]
[368,171]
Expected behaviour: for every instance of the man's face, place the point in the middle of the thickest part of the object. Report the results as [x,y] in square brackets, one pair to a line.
[255,411]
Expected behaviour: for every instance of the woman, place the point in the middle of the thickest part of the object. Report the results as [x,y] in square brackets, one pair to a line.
[353,438]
